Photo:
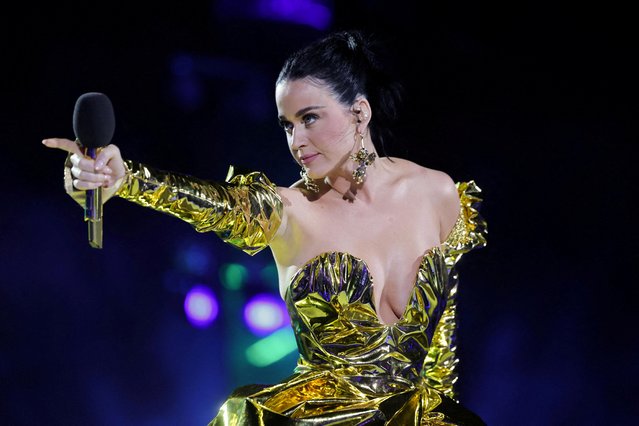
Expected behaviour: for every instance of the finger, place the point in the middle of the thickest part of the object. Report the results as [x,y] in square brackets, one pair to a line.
[82,162]
[84,185]
[63,144]
[75,159]
[109,182]
[88,176]
[105,155]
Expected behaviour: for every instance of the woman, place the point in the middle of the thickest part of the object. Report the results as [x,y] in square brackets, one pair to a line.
[365,247]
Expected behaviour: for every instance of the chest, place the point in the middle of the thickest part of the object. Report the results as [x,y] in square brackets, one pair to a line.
[391,240]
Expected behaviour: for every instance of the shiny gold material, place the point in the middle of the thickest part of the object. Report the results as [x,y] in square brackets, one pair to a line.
[308,182]
[244,211]
[363,159]
[355,370]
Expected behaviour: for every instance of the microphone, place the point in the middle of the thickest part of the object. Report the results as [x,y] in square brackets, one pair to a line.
[93,125]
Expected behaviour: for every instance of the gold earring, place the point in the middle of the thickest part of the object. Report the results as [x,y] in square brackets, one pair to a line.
[308,182]
[364,159]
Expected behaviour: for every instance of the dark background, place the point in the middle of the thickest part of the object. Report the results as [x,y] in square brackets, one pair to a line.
[533,100]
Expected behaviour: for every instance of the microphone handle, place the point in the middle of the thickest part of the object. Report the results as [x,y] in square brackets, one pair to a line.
[93,209]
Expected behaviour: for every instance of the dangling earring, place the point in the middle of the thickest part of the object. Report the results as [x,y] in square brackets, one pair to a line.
[364,159]
[310,185]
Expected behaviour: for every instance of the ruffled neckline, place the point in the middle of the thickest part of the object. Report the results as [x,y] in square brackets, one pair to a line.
[469,232]
[370,279]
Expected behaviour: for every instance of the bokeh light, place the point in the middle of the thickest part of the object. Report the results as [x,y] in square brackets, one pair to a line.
[271,348]
[264,313]
[233,276]
[269,276]
[201,306]
[194,258]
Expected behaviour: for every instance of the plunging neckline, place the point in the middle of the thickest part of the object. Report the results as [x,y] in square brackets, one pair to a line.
[365,264]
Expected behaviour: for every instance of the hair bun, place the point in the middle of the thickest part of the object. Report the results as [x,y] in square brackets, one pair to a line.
[352,43]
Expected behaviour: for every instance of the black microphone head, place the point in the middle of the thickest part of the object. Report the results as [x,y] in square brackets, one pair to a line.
[93,120]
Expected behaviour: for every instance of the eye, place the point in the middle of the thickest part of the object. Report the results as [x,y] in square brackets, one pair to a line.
[309,119]
[287,126]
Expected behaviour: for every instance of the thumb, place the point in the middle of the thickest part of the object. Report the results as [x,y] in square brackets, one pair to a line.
[110,155]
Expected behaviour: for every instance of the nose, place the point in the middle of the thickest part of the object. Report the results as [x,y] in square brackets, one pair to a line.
[297,139]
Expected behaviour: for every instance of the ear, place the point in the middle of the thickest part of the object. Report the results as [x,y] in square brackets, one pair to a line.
[363,112]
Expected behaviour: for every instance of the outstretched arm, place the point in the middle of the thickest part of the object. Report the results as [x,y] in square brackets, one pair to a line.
[244,210]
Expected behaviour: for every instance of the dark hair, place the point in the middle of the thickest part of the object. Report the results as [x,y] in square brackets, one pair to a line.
[345,62]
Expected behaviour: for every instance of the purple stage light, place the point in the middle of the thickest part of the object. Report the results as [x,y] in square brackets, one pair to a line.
[201,306]
[265,313]
[316,14]
[313,13]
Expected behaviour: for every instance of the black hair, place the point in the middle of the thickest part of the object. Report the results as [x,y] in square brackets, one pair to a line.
[345,62]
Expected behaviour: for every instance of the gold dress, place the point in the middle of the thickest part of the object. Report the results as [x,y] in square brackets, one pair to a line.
[353,369]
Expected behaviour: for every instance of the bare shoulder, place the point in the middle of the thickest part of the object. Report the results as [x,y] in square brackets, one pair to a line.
[436,187]
[432,181]
[296,202]
[297,191]
[295,197]
[290,194]
[297,184]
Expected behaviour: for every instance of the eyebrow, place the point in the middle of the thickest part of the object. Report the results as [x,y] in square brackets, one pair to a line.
[303,111]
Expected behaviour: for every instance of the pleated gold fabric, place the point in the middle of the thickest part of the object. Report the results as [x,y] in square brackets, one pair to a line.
[355,370]
[244,211]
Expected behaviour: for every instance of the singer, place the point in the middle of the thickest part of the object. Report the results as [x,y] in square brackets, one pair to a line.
[367,246]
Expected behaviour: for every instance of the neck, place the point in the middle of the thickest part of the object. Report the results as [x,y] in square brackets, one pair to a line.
[345,184]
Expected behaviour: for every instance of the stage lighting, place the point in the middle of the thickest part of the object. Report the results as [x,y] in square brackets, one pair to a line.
[233,276]
[201,306]
[265,313]
[271,348]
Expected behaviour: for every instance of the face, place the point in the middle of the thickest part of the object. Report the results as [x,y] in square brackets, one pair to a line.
[319,129]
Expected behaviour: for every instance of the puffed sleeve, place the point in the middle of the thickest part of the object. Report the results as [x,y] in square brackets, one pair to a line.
[470,229]
[468,233]
[245,210]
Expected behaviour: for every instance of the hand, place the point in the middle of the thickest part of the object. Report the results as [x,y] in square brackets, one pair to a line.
[106,171]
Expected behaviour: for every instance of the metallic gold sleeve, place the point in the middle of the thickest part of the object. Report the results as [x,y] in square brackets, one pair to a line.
[469,232]
[244,211]
[441,360]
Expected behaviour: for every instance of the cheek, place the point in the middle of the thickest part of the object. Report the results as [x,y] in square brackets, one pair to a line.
[343,141]
[335,136]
